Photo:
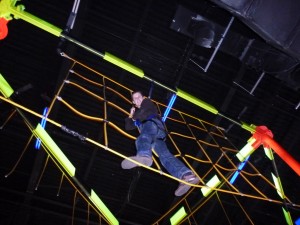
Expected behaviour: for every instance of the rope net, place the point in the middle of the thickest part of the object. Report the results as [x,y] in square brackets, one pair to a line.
[201,145]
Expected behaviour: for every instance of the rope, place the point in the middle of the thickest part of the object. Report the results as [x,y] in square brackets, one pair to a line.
[209,148]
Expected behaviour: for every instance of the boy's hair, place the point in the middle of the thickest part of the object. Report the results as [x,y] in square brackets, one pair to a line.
[137,91]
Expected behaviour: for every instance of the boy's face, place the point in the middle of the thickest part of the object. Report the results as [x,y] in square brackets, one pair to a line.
[137,99]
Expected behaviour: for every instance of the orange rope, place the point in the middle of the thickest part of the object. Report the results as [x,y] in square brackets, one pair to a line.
[206,138]
[213,132]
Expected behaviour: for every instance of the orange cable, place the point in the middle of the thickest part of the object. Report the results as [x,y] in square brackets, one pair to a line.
[245,212]
[97,97]
[101,85]
[60,183]
[20,157]
[93,70]
[105,114]
[95,119]
[212,133]
[223,208]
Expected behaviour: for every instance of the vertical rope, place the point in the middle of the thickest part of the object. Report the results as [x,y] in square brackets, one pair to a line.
[59,90]
[245,212]
[105,114]
[60,184]
[223,208]
[19,159]
[42,173]
[74,204]
[8,118]
[88,214]
[190,210]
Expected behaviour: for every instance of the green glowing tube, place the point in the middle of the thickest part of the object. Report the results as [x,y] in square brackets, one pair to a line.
[5,88]
[269,154]
[246,150]
[102,208]
[250,128]
[196,101]
[55,150]
[278,186]
[212,183]
[288,217]
[178,216]
[123,64]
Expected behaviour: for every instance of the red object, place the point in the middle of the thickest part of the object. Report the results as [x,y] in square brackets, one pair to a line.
[264,136]
[261,132]
[3,28]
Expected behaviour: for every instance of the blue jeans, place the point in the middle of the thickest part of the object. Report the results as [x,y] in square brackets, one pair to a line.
[152,135]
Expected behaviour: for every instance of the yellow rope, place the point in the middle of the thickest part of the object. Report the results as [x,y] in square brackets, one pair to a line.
[223,208]
[29,110]
[125,157]
[245,212]
[96,119]
[105,115]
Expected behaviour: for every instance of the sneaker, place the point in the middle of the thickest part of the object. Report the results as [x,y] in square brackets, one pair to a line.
[145,160]
[183,188]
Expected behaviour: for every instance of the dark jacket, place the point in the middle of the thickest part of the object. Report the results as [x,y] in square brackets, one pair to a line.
[146,112]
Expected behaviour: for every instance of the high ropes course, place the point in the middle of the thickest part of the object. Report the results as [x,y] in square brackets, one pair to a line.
[218,160]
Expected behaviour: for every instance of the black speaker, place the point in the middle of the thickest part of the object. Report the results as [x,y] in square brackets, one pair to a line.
[276,21]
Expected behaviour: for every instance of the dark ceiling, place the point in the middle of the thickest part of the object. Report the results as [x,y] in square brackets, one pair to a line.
[252,75]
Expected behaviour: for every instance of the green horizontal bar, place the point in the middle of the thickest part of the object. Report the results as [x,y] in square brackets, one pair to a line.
[102,208]
[178,216]
[123,64]
[5,88]
[55,150]
[196,101]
